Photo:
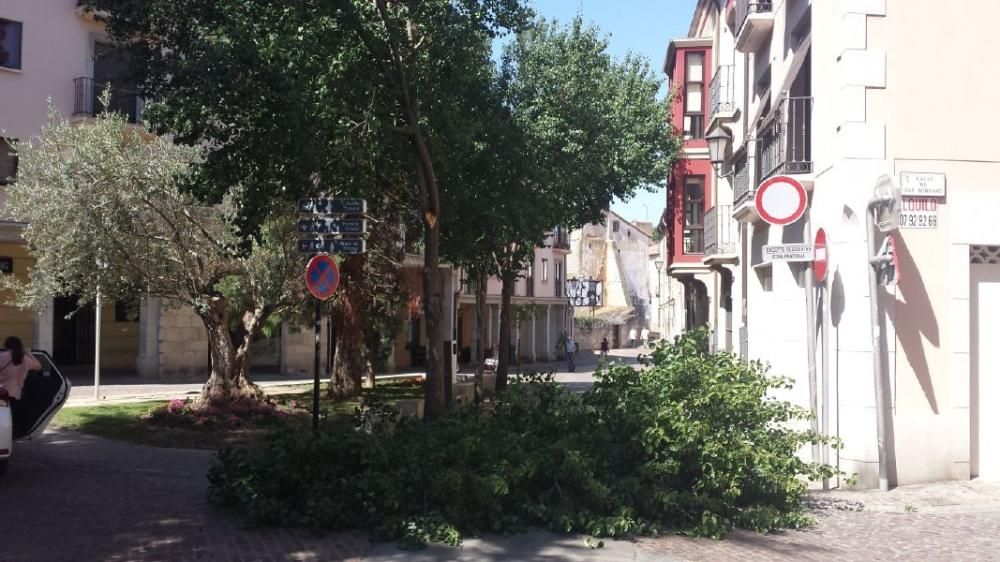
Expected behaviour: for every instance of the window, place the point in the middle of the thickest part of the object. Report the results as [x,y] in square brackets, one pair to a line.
[8,161]
[694,98]
[694,215]
[10,44]
[614,226]
[559,269]
[545,271]
[530,281]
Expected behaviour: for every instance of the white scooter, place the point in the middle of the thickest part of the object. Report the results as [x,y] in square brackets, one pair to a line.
[43,395]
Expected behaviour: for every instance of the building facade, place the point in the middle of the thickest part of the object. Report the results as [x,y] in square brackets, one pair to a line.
[612,257]
[834,94]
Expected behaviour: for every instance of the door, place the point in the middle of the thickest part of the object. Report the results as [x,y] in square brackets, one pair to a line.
[985,363]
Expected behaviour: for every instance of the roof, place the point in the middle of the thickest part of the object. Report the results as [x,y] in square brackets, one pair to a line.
[634,225]
[644,227]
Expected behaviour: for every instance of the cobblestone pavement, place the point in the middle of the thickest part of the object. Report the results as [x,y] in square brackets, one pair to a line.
[70,497]
[79,498]
[849,536]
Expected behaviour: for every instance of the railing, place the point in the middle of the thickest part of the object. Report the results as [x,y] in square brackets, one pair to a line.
[722,89]
[741,175]
[87,100]
[786,139]
[746,7]
[560,238]
[720,231]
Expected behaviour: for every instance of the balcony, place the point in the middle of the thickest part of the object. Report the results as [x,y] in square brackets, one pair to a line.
[722,104]
[560,238]
[741,175]
[720,235]
[87,100]
[754,22]
[785,139]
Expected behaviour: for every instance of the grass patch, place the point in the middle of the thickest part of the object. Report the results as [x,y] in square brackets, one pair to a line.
[136,422]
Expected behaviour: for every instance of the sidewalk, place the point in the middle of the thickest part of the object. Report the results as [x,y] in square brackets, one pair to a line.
[120,387]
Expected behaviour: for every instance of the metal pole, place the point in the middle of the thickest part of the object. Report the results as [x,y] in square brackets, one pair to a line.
[811,341]
[97,346]
[883,467]
[315,412]
[825,369]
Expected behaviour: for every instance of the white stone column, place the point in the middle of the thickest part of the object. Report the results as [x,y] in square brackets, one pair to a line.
[534,327]
[41,327]
[548,327]
[148,360]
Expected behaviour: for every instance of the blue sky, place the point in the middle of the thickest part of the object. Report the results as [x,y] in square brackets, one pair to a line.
[639,26]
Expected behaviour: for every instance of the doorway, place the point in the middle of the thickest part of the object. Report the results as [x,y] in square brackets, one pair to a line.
[984,301]
[73,337]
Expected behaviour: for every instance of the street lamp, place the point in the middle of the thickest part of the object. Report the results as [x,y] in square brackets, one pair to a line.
[659,303]
[719,140]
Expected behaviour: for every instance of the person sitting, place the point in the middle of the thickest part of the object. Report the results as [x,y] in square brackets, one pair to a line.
[14,367]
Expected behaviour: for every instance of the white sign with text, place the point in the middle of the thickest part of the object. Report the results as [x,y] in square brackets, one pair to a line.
[788,252]
[922,184]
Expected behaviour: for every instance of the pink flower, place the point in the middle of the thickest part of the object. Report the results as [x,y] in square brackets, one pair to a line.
[176,405]
[293,404]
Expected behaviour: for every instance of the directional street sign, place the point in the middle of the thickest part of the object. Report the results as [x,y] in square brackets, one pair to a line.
[332,246]
[788,252]
[324,206]
[322,277]
[321,225]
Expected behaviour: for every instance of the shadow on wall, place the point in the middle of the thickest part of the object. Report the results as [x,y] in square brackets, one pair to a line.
[912,317]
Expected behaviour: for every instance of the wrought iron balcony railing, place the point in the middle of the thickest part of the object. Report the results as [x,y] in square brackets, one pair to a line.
[720,231]
[741,174]
[785,139]
[722,91]
[87,100]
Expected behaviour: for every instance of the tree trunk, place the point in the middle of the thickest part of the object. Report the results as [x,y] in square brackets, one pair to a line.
[229,380]
[349,361]
[503,365]
[481,342]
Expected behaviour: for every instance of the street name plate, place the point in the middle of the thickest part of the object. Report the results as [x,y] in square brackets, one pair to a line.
[332,246]
[922,184]
[325,206]
[919,213]
[322,225]
[788,252]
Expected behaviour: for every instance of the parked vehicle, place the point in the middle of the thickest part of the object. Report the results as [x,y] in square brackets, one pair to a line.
[44,393]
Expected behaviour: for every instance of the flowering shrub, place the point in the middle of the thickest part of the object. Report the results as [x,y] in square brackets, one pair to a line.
[185,413]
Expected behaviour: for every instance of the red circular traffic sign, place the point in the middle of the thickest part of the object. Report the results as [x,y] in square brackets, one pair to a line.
[821,256]
[322,277]
[781,200]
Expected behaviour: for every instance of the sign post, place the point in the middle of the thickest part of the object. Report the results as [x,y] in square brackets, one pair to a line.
[322,273]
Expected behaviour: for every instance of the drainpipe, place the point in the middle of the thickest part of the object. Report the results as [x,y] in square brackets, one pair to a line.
[873,299]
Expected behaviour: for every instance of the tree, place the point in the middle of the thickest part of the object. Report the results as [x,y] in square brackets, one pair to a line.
[281,92]
[593,129]
[103,194]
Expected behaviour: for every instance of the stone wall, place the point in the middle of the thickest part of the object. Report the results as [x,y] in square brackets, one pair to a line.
[183,343]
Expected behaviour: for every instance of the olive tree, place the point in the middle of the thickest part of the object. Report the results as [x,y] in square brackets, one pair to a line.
[106,211]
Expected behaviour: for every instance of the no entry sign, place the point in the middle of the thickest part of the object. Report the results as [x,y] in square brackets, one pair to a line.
[821,256]
[322,277]
[781,200]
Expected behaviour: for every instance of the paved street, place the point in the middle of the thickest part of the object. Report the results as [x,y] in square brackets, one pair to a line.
[79,498]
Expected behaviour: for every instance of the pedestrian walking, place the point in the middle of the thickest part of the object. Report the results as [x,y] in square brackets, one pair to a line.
[631,338]
[604,348]
[645,337]
[570,352]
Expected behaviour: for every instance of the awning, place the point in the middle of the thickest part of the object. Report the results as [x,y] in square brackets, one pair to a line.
[614,315]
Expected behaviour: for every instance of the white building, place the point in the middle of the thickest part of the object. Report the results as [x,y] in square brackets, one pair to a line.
[835,94]
[615,255]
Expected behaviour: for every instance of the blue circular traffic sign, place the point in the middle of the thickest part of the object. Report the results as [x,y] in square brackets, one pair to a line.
[322,277]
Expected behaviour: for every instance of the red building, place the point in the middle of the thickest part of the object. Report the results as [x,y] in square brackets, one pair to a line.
[689,187]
